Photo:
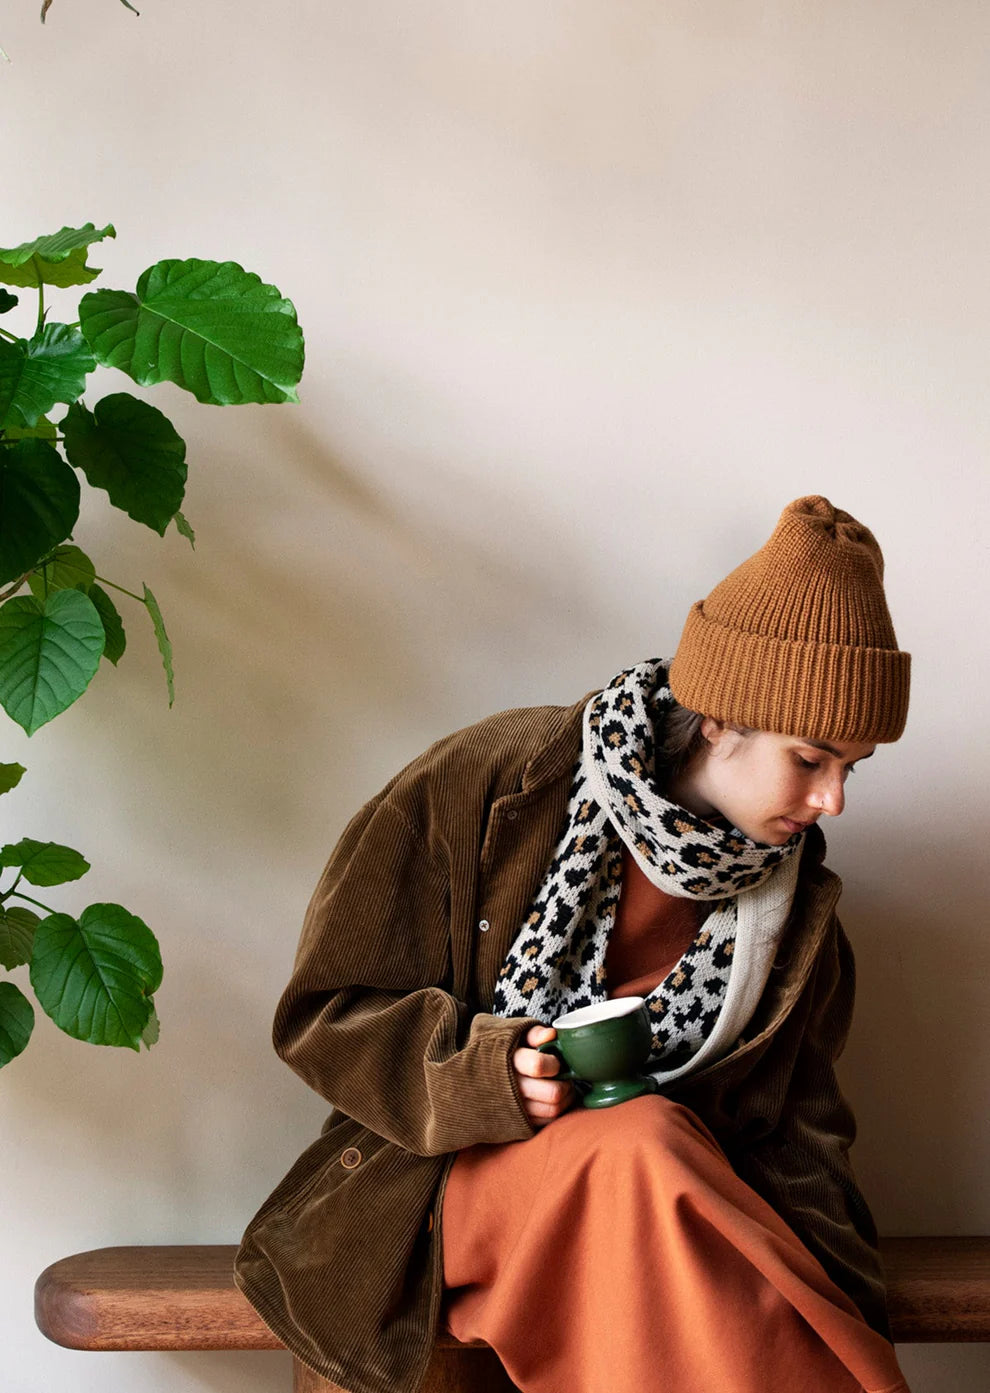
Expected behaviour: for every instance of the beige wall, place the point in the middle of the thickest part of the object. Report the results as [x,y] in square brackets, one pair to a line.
[590,290]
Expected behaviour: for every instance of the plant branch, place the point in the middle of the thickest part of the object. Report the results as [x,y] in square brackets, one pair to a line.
[113,584]
[14,586]
[8,335]
[47,908]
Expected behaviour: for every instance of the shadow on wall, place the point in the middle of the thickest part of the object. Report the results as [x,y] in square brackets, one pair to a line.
[322,615]
[913,1058]
[324,632]
[221,1371]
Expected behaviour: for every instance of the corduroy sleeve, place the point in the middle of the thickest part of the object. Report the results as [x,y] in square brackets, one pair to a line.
[365,1019]
[803,1169]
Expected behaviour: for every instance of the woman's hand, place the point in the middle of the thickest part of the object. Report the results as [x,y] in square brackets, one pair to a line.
[544,1097]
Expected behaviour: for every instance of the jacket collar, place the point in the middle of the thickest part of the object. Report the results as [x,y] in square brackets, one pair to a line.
[554,760]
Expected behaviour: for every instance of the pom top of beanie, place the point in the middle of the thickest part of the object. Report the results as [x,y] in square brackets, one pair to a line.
[798,638]
[819,579]
[822,516]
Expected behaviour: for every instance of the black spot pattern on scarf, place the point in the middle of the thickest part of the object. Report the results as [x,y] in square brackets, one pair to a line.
[574,908]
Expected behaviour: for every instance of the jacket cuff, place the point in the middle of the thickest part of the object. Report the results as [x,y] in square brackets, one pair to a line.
[500,1037]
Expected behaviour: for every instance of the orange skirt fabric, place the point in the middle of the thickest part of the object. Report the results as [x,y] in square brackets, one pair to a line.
[618,1249]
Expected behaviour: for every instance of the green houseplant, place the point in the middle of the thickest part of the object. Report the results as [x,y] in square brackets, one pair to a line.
[222,334]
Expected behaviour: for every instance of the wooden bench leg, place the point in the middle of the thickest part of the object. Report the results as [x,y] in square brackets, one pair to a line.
[467,1370]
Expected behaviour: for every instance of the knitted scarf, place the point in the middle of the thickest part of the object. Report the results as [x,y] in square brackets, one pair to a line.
[557,962]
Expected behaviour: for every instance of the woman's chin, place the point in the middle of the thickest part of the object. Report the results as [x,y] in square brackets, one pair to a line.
[773,834]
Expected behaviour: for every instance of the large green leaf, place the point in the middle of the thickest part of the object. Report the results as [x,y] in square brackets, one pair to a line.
[17,928]
[13,360]
[10,776]
[134,452]
[16,1022]
[39,504]
[69,569]
[59,259]
[164,643]
[49,651]
[37,373]
[96,976]
[211,327]
[151,1032]
[43,429]
[184,528]
[44,863]
[113,625]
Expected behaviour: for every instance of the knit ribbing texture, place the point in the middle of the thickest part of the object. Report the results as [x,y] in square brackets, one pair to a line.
[798,639]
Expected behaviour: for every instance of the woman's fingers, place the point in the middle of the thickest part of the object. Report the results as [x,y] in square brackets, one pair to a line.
[535,1065]
[540,1112]
[543,1090]
[530,1061]
[544,1099]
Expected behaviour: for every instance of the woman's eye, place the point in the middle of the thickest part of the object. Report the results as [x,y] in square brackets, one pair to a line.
[812,764]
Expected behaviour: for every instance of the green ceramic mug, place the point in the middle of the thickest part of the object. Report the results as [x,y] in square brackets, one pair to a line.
[604,1047]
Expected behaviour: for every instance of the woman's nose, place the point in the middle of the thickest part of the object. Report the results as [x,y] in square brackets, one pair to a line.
[830,796]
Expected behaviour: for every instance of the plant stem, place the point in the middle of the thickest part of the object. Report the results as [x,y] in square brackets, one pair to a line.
[14,586]
[113,584]
[48,910]
[41,295]
[8,335]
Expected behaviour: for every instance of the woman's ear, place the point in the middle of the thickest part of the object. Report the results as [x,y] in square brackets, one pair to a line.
[720,738]
[712,730]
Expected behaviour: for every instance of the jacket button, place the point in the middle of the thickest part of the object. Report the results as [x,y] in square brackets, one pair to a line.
[484,926]
[512,814]
[350,1158]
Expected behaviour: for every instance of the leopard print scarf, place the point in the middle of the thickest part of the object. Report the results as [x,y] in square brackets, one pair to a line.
[557,962]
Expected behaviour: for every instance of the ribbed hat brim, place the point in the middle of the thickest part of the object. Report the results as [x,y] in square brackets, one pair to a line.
[824,691]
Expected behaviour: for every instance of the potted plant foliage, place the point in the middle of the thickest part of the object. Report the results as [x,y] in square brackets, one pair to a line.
[226,336]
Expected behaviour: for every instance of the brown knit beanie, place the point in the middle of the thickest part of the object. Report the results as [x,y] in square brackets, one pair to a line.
[798,639]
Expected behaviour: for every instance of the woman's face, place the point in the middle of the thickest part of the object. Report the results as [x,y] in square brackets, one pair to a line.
[769,786]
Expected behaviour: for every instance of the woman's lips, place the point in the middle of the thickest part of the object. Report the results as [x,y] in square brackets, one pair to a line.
[793,826]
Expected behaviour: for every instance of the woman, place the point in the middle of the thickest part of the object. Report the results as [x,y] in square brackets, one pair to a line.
[708,1236]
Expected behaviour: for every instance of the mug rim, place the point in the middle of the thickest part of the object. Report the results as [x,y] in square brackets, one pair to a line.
[613,1009]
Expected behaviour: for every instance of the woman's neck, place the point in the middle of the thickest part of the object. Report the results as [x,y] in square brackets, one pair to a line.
[685,788]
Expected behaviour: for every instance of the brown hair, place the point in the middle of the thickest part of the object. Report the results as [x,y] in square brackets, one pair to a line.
[682,737]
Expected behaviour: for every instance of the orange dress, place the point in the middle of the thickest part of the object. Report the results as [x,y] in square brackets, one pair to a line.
[619,1249]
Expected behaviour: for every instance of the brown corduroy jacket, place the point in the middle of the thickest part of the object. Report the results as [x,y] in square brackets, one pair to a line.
[387,1016]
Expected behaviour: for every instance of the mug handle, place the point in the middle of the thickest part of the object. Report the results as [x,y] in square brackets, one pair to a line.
[566,1075]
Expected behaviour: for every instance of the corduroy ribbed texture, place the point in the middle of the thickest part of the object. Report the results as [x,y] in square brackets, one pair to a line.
[798,639]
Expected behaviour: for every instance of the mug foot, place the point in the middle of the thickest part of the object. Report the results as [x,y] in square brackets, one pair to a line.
[606,1095]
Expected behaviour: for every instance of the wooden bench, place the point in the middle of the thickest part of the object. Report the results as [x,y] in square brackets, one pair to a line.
[179,1297]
